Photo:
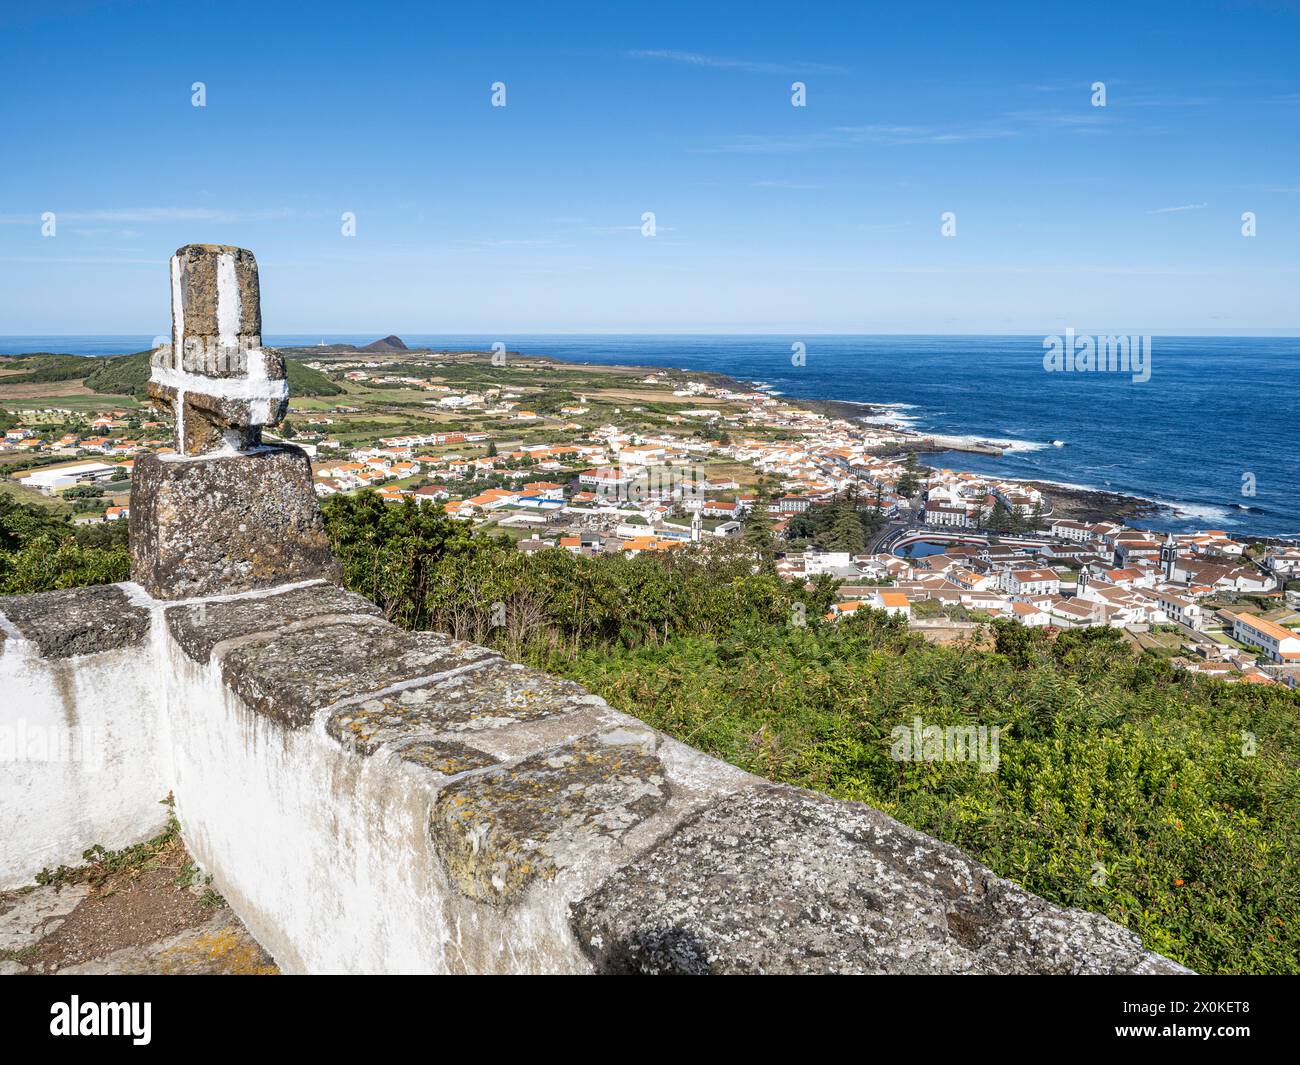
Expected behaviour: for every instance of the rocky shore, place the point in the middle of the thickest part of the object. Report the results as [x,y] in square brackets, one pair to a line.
[1087,504]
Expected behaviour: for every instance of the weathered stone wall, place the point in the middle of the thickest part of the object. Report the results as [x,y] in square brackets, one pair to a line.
[81,729]
[373,800]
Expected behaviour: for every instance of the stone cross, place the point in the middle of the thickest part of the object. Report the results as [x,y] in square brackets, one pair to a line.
[225,513]
[215,377]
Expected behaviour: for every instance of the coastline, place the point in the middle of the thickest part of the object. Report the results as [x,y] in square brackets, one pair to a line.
[1078,502]
[1073,502]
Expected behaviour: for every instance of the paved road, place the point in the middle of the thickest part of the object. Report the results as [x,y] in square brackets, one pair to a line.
[889,532]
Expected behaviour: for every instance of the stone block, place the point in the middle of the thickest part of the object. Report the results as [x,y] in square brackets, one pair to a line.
[215,378]
[215,291]
[501,830]
[290,676]
[233,523]
[784,881]
[445,756]
[199,627]
[487,698]
[78,621]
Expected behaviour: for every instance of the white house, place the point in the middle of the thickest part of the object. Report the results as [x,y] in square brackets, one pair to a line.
[892,603]
[938,514]
[1030,614]
[1277,643]
[1184,611]
[1032,582]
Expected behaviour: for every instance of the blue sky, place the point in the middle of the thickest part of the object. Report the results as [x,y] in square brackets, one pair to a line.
[769,218]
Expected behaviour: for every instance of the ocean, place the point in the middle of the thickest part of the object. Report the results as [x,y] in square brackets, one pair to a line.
[1205,434]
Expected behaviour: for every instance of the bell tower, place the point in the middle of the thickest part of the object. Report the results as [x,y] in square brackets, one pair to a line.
[1169,556]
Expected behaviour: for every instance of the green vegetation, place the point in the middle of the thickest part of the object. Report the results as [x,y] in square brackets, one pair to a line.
[103,864]
[428,571]
[838,526]
[43,367]
[126,375]
[107,871]
[41,551]
[910,483]
[304,381]
[120,375]
[1166,801]
[759,537]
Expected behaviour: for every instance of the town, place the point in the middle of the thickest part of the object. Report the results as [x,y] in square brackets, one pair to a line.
[603,459]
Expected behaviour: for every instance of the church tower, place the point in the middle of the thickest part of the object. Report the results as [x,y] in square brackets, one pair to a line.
[1169,556]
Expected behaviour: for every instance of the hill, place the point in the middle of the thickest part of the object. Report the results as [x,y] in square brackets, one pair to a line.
[389,343]
[304,381]
[125,375]
[120,375]
[44,367]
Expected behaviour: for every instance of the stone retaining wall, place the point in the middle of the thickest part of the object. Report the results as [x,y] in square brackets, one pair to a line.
[81,729]
[374,800]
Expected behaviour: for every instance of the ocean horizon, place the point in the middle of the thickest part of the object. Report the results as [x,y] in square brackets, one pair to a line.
[1193,436]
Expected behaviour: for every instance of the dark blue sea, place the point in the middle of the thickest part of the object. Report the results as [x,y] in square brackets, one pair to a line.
[1218,418]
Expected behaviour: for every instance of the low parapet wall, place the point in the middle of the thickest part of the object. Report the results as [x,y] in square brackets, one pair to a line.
[374,800]
[82,729]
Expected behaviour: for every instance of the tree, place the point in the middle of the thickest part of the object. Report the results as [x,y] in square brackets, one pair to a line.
[759,537]
[910,483]
[388,550]
[491,449]
[999,520]
[846,534]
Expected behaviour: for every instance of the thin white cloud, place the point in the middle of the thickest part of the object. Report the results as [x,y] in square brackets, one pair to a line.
[81,261]
[783,185]
[696,59]
[520,242]
[147,215]
[1004,126]
[1183,207]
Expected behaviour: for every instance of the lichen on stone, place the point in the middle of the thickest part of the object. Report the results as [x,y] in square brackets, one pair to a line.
[778,880]
[446,757]
[495,695]
[289,676]
[500,831]
[199,627]
[77,621]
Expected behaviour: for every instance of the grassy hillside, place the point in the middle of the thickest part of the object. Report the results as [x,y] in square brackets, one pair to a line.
[43,367]
[125,375]
[1122,785]
[120,375]
[304,381]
